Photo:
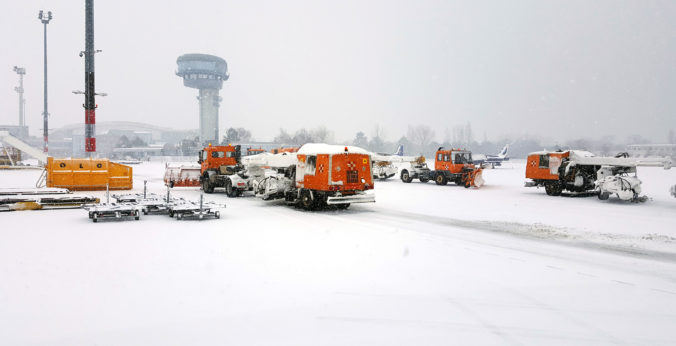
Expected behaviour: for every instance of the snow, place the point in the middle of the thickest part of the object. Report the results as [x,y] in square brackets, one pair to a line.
[424,265]
[320,148]
[273,160]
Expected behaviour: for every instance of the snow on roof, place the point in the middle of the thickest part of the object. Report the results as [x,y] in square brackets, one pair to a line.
[321,148]
[269,159]
[574,154]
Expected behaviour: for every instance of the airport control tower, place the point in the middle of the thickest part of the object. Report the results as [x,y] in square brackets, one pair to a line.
[206,73]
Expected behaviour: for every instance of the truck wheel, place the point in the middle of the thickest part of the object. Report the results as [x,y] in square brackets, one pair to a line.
[179,216]
[558,188]
[467,184]
[171,213]
[604,195]
[217,214]
[95,217]
[406,176]
[549,189]
[228,189]
[553,188]
[306,201]
[440,179]
[206,185]
[136,215]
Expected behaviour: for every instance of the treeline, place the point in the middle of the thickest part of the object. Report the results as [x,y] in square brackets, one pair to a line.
[425,140]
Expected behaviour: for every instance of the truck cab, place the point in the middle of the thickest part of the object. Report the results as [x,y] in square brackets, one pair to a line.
[213,157]
[220,167]
[453,161]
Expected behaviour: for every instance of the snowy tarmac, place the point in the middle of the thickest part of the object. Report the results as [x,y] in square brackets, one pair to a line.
[424,265]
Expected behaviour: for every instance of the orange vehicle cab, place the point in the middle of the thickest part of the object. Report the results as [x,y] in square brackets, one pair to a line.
[254,151]
[545,165]
[284,150]
[215,157]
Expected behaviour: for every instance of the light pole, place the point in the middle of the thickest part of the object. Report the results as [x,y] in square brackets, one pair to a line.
[45,20]
[21,72]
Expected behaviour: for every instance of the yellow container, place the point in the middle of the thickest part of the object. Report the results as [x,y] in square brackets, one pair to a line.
[88,174]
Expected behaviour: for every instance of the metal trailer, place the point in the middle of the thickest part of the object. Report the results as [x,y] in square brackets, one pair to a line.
[148,203]
[201,210]
[112,211]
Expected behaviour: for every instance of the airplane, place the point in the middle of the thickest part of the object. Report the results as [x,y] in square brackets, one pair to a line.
[398,152]
[492,160]
[383,167]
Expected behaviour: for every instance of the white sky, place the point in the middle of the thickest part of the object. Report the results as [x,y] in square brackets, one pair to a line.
[559,69]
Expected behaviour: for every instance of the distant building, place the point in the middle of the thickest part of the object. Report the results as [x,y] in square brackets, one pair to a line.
[652,150]
[16,131]
[69,140]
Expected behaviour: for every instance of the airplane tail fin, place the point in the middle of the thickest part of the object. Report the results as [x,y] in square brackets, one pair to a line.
[503,152]
[400,151]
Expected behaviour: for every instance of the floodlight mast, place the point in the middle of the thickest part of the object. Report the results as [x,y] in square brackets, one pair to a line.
[90,102]
[19,89]
[45,20]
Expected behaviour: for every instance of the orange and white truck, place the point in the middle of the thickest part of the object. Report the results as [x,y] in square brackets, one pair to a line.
[580,171]
[316,176]
[450,165]
[221,167]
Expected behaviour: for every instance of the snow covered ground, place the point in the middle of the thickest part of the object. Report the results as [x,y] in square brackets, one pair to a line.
[424,265]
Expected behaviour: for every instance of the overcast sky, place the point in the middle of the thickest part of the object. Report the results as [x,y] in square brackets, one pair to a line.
[557,69]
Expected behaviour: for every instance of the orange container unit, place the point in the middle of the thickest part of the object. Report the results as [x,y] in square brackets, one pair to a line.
[545,165]
[346,172]
[88,174]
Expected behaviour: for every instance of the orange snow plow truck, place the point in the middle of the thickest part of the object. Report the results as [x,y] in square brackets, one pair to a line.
[452,165]
[317,176]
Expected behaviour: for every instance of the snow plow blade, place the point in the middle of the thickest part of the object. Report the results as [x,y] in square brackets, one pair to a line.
[478,179]
[359,198]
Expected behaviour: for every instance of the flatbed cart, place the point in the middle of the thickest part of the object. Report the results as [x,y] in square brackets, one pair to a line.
[194,210]
[112,211]
[148,203]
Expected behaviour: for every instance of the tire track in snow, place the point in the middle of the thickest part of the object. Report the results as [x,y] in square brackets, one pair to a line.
[535,231]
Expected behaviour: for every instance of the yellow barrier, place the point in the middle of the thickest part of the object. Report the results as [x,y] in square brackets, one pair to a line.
[88,174]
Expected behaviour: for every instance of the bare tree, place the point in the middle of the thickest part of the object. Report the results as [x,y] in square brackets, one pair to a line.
[301,137]
[421,135]
[468,135]
[283,137]
[360,140]
[322,134]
